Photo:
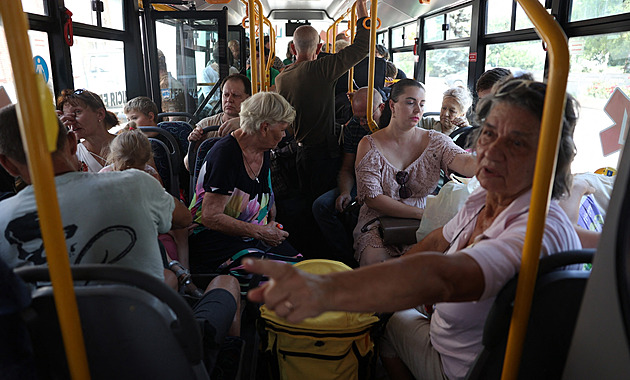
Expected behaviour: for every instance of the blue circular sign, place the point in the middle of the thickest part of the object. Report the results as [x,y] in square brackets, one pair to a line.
[41,67]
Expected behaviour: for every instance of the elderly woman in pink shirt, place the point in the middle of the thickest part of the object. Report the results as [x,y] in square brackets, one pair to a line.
[460,267]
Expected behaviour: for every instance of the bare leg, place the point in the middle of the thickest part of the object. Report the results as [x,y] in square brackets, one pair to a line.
[373,255]
[171,280]
[180,236]
[230,284]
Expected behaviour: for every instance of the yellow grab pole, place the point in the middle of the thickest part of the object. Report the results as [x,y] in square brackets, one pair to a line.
[261,46]
[33,130]
[553,111]
[328,32]
[251,14]
[353,27]
[371,67]
[272,52]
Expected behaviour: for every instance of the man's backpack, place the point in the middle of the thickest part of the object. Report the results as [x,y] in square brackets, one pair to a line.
[334,345]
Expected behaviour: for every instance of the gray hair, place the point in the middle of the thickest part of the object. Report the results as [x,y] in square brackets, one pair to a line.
[262,107]
[530,95]
[462,95]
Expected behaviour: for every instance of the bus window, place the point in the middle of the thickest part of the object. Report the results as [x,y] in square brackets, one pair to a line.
[433,29]
[111,16]
[499,16]
[41,55]
[599,63]
[405,61]
[34,6]
[458,23]
[445,68]
[587,9]
[525,56]
[98,65]
[381,38]
[522,21]
[405,35]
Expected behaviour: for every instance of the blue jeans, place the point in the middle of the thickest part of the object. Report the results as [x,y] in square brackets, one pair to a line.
[327,218]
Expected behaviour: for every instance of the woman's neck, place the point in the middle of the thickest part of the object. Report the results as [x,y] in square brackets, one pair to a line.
[98,143]
[247,142]
[398,132]
[496,203]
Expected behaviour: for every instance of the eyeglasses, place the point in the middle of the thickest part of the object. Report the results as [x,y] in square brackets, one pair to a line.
[402,177]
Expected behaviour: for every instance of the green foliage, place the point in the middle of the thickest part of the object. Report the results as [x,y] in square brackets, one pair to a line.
[447,61]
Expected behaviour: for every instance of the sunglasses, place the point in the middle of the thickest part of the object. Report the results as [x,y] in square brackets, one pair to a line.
[402,177]
[85,94]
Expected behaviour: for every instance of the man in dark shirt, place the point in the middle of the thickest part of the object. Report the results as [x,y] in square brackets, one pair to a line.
[327,207]
[309,86]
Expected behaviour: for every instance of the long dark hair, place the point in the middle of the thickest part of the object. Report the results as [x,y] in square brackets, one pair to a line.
[396,90]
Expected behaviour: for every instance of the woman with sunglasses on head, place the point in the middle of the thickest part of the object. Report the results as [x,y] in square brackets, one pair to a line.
[84,113]
[397,167]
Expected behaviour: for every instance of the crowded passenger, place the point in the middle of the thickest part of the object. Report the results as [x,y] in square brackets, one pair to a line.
[235,54]
[84,113]
[329,205]
[276,63]
[131,149]
[460,267]
[397,167]
[106,235]
[489,78]
[143,112]
[234,202]
[235,88]
[271,71]
[455,104]
[171,89]
[309,85]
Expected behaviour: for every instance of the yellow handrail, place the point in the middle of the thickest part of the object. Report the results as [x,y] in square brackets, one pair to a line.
[272,52]
[553,110]
[33,130]
[252,44]
[334,29]
[352,26]
[261,47]
[371,67]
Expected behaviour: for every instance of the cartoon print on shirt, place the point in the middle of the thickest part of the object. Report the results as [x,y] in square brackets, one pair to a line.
[24,233]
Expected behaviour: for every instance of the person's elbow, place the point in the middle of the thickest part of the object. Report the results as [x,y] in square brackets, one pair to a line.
[182,217]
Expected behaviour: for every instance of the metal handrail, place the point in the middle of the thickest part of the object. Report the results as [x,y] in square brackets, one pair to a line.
[352,26]
[38,126]
[553,111]
[372,67]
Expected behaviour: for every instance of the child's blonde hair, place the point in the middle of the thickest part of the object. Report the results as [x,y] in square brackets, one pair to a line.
[130,149]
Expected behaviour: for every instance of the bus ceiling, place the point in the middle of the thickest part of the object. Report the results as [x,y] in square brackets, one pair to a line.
[391,12]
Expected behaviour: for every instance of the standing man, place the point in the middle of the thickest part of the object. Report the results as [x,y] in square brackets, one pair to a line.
[309,85]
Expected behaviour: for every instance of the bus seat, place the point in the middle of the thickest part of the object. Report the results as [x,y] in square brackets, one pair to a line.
[462,136]
[555,307]
[134,326]
[180,130]
[190,118]
[197,152]
[167,156]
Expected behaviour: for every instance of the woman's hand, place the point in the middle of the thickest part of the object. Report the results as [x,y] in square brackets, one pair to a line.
[459,122]
[196,134]
[272,234]
[68,119]
[291,293]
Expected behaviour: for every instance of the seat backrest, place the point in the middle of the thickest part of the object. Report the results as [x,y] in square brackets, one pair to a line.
[555,305]
[134,326]
[166,154]
[180,130]
[196,154]
[462,136]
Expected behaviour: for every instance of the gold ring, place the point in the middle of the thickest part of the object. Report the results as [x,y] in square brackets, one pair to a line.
[288,305]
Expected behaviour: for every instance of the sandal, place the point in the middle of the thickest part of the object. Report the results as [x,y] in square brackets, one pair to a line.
[184,279]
